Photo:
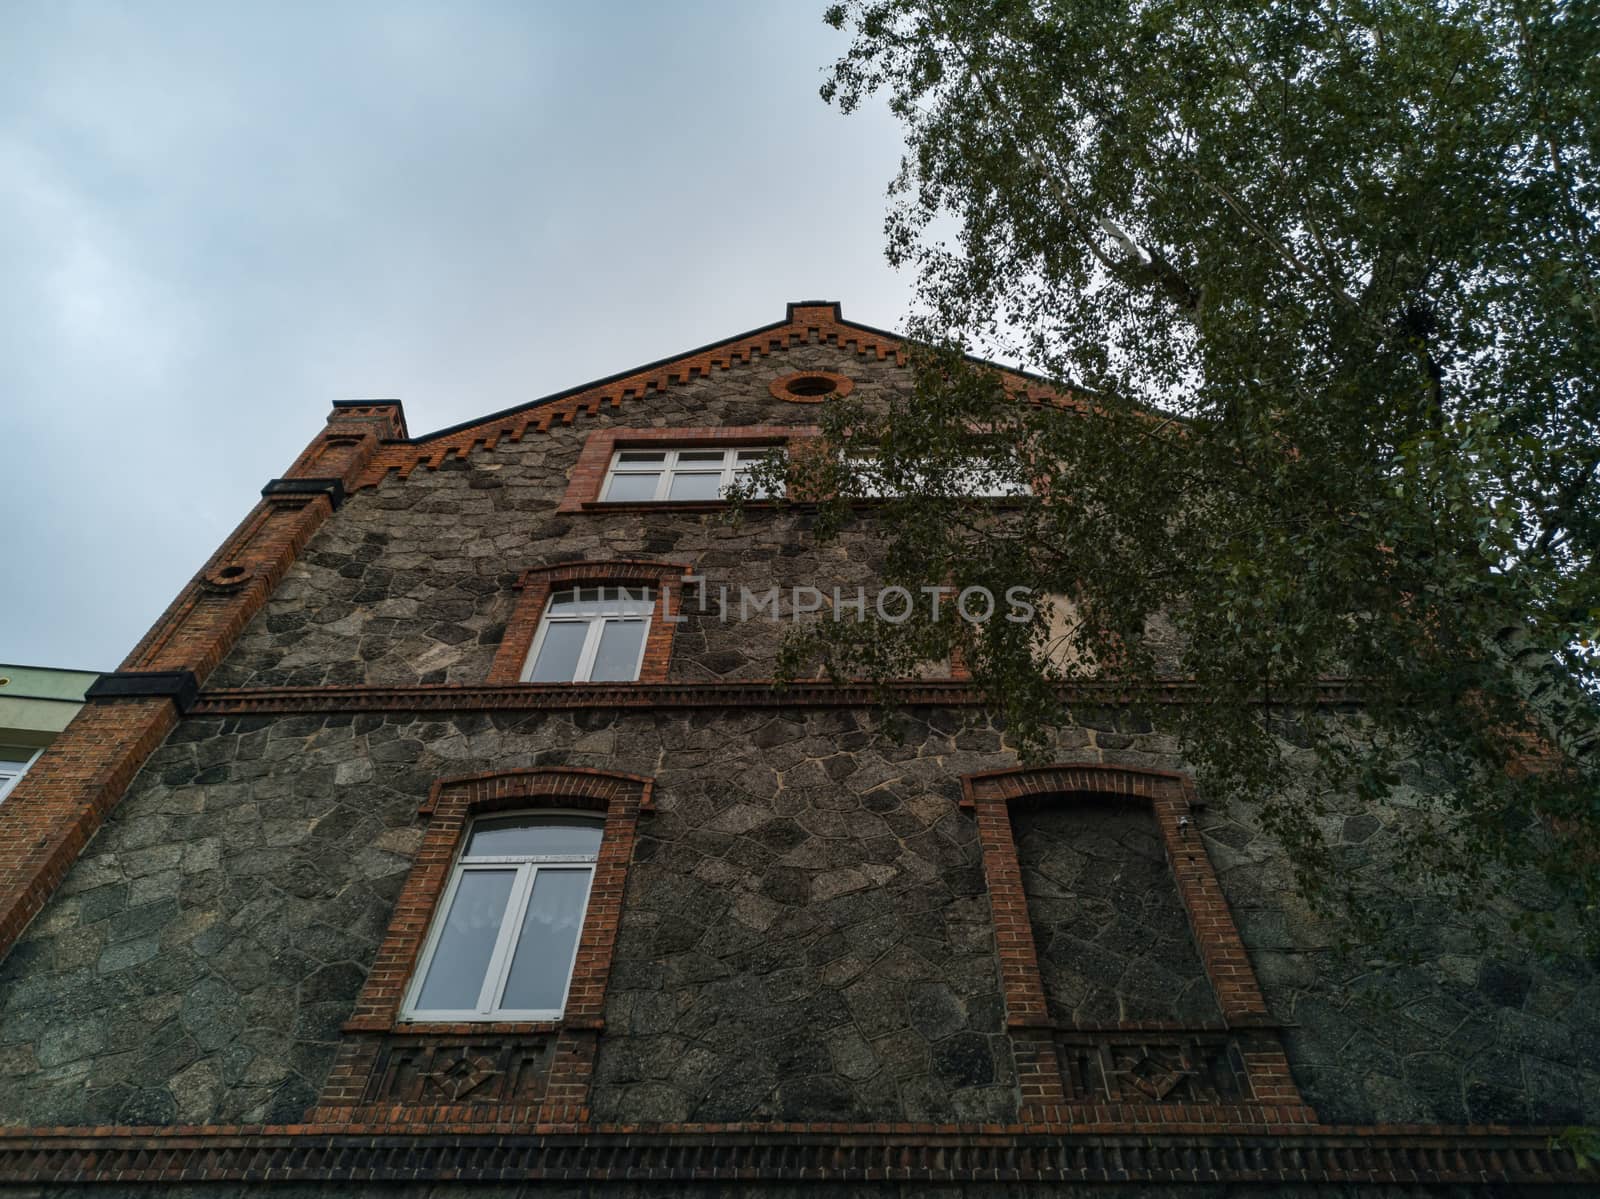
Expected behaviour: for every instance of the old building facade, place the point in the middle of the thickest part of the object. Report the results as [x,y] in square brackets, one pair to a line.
[443,831]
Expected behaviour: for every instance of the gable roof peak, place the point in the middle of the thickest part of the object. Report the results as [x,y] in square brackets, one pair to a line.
[801,311]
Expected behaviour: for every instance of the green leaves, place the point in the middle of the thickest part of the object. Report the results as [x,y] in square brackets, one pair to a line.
[1354,248]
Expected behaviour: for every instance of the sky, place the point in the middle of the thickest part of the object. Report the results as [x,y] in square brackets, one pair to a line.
[215,219]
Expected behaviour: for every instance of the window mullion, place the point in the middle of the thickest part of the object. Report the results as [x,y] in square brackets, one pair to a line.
[591,648]
[638,666]
[505,945]
[577,944]
[664,479]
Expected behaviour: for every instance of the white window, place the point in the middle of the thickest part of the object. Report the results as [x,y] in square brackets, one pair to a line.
[686,474]
[14,763]
[504,941]
[591,635]
[974,478]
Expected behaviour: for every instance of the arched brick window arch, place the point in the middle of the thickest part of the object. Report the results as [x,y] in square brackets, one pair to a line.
[389,1069]
[538,583]
[1130,1071]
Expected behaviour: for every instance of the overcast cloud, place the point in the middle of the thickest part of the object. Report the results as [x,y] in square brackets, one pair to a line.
[217,218]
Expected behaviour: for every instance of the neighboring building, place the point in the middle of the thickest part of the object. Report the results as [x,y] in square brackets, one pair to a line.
[438,832]
[36,703]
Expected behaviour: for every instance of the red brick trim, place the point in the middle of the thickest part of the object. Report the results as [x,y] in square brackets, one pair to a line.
[594,459]
[746,693]
[61,802]
[780,387]
[1037,1043]
[861,1157]
[537,583]
[804,324]
[555,1059]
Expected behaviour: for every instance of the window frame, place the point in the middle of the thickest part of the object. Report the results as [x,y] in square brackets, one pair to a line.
[497,970]
[875,489]
[644,613]
[8,778]
[672,466]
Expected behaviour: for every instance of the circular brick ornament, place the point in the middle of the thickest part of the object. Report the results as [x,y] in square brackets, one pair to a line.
[227,578]
[810,387]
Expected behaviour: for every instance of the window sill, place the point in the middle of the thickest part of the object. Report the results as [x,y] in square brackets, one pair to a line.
[668,505]
[473,1028]
[598,506]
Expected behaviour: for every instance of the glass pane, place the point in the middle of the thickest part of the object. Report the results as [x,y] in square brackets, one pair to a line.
[743,477]
[543,957]
[752,455]
[455,975]
[631,601]
[559,652]
[701,455]
[531,836]
[632,487]
[657,456]
[696,486]
[618,658]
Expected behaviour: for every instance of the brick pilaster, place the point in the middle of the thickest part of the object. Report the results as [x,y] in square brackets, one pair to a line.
[59,805]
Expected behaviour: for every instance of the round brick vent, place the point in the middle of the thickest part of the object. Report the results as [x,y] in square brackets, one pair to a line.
[811,387]
[228,577]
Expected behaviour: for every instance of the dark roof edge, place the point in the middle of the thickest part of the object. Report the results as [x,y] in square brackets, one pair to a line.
[690,353]
[50,669]
[585,386]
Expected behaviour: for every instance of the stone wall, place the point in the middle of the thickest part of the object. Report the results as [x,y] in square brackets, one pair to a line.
[1112,937]
[805,932]
[413,580]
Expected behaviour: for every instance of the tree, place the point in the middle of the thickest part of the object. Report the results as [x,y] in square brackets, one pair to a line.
[1322,277]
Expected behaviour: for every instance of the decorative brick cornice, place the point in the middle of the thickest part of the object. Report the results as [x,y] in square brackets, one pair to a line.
[819,1153]
[751,693]
[811,323]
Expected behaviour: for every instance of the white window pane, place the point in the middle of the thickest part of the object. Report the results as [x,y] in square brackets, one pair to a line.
[701,455]
[543,958]
[742,477]
[752,455]
[696,486]
[461,955]
[632,487]
[625,457]
[524,836]
[619,601]
[559,652]
[617,660]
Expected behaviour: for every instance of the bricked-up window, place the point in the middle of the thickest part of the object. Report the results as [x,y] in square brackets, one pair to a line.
[591,635]
[504,944]
[1112,938]
[686,474]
